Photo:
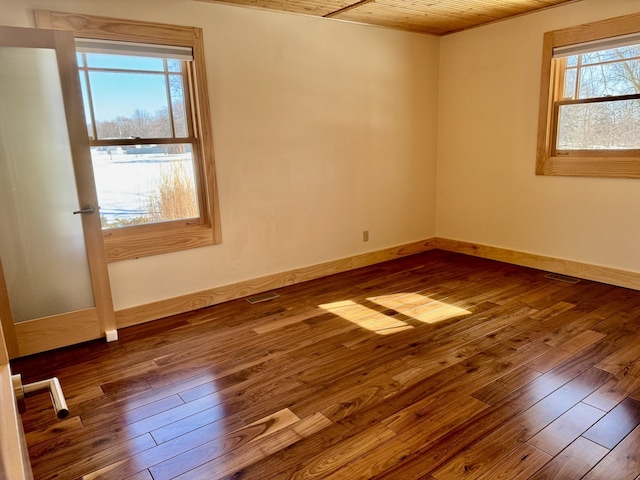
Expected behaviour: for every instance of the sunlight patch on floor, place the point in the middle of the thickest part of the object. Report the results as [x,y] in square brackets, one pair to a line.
[366,317]
[419,307]
[413,305]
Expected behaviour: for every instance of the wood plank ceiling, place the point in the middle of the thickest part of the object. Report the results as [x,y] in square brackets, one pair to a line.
[436,17]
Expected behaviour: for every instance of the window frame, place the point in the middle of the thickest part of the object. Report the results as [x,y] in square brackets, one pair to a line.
[592,163]
[158,238]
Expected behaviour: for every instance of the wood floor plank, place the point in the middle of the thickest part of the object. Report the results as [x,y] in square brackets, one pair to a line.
[431,426]
[333,458]
[506,384]
[230,463]
[620,327]
[616,424]
[573,462]
[237,383]
[144,475]
[133,464]
[202,454]
[625,383]
[476,461]
[519,464]
[369,465]
[621,358]
[110,456]
[621,463]
[433,366]
[111,415]
[148,402]
[104,435]
[459,437]
[560,433]
[206,418]
[67,425]
[582,340]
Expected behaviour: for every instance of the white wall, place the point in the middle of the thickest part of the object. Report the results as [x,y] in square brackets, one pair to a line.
[488,192]
[322,129]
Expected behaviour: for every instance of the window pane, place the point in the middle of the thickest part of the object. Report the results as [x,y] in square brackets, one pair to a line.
[174,65]
[145,184]
[620,78]
[124,62]
[570,83]
[85,102]
[177,104]
[611,54]
[599,126]
[572,61]
[130,105]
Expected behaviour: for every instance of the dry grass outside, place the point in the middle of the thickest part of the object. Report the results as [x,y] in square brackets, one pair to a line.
[173,198]
[176,197]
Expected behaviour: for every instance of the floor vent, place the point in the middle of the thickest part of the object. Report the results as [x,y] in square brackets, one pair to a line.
[263,297]
[562,278]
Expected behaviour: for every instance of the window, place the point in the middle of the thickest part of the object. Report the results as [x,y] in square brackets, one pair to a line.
[145,101]
[590,101]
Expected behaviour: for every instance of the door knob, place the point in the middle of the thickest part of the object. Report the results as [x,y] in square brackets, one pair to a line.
[88,209]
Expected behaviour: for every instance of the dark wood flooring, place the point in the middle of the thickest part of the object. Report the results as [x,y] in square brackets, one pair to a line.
[437,366]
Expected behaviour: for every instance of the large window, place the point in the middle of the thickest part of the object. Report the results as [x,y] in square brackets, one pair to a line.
[590,107]
[145,103]
[143,149]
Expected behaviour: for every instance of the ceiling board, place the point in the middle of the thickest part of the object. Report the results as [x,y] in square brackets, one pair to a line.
[427,16]
[318,8]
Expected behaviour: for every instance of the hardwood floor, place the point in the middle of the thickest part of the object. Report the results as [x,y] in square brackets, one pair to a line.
[437,366]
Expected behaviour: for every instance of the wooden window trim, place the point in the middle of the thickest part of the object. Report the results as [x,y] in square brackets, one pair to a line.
[146,240]
[579,163]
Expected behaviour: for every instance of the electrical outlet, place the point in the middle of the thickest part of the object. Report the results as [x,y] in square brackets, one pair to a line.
[365,235]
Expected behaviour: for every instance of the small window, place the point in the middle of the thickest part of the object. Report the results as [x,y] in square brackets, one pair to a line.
[590,108]
[146,106]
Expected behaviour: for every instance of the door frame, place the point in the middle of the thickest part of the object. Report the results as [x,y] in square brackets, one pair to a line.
[47,333]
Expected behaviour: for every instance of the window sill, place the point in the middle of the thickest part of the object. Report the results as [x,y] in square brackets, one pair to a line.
[611,167]
[125,245]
